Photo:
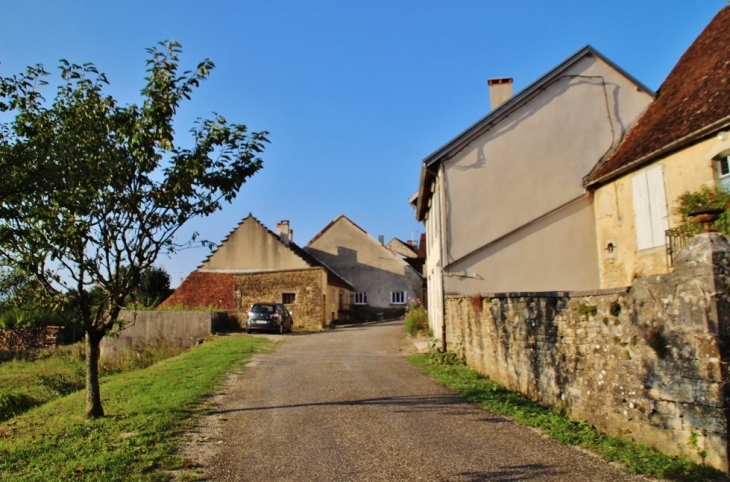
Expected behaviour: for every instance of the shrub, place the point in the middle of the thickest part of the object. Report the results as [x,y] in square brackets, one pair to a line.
[416,318]
[704,198]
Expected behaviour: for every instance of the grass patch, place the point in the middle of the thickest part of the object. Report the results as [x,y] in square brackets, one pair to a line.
[37,378]
[637,459]
[145,410]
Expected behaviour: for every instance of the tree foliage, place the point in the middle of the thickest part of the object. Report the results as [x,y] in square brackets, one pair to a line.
[705,197]
[93,192]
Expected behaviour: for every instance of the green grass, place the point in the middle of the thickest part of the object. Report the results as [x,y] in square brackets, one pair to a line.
[25,384]
[29,382]
[145,411]
[637,459]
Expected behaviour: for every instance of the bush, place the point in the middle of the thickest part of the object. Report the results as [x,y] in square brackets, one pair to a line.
[416,318]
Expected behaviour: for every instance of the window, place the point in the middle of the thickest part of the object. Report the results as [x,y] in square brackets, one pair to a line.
[398,297]
[360,298]
[725,173]
[650,208]
[288,298]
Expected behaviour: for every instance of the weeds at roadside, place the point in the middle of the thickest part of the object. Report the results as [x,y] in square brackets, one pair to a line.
[635,458]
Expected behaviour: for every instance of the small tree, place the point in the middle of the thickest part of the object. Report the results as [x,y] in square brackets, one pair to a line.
[92,192]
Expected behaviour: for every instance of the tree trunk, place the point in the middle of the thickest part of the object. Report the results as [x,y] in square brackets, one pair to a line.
[93,395]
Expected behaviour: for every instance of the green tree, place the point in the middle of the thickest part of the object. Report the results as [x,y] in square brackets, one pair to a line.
[153,288]
[92,192]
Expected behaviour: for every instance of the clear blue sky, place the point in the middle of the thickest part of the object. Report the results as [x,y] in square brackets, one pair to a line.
[354,93]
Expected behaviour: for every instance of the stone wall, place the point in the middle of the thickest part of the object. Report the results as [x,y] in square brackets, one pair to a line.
[308,286]
[648,362]
[22,339]
[145,328]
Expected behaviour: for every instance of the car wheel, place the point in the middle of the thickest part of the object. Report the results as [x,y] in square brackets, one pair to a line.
[249,330]
[291,326]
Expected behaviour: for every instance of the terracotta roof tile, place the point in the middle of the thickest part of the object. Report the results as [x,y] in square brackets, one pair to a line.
[203,290]
[694,96]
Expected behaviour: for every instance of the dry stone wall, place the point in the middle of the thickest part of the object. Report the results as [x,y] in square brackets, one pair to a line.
[308,286]
[22,339]
[648,362]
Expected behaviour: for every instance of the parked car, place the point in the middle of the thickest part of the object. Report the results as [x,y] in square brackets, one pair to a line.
[269,317]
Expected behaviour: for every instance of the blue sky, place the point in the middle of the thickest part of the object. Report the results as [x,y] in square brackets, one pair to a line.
[354,93]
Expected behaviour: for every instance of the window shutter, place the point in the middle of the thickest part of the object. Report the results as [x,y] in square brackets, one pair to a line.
[657,205]
[642,212]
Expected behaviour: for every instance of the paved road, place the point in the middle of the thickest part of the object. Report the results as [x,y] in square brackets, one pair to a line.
[346,405]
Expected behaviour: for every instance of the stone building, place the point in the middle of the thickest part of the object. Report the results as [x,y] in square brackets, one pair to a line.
[679,144]
[254,264]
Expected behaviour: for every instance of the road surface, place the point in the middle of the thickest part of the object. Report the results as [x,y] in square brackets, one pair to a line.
[345,405]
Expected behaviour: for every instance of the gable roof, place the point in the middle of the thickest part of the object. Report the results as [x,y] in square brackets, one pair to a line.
[332,223]
[332,277]
[399,243]
[484,124]
[344,218]
[692,103]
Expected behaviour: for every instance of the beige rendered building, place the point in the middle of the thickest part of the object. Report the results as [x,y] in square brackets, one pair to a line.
[679,144]
[503,202]
[381,278]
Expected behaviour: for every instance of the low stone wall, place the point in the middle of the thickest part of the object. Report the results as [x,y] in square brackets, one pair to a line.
[180,328]
[22,339]
[308,286]
[647,363]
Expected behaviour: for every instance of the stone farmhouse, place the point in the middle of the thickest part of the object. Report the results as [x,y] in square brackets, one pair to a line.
[255,264]
[679,144]
[340,269]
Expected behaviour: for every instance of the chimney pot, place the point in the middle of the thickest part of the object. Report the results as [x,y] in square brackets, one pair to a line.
[500,91]
[285,233]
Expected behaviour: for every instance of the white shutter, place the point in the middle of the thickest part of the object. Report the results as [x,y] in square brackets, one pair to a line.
[650,208]
[642,213]
[657,205]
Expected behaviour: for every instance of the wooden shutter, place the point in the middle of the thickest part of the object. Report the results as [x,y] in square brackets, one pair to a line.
[650,208]
[657,205]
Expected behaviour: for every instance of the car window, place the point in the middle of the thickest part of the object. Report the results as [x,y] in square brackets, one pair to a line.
[262,309]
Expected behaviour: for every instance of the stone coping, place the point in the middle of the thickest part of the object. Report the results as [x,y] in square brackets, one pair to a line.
[548,294]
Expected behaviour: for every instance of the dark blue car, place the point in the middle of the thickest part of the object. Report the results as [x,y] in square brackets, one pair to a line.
[272,317]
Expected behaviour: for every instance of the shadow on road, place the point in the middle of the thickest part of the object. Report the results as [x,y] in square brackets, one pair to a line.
[512,473]
[404,404]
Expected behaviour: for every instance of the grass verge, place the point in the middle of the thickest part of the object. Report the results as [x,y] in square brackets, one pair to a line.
[637,459]
[145,410]
[31,381]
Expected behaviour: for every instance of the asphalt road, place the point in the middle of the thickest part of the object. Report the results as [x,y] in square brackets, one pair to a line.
[346,405]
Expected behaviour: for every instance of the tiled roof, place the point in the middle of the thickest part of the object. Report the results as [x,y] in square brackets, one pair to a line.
[203,290]
[693,102]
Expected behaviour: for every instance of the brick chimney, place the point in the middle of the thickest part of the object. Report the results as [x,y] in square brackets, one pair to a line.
[500,91]
[285,233]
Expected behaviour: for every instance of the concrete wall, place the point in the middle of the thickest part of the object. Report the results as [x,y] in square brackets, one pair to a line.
[647,363]
[180,328]
[309,286]
[685,170]
[368,265]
